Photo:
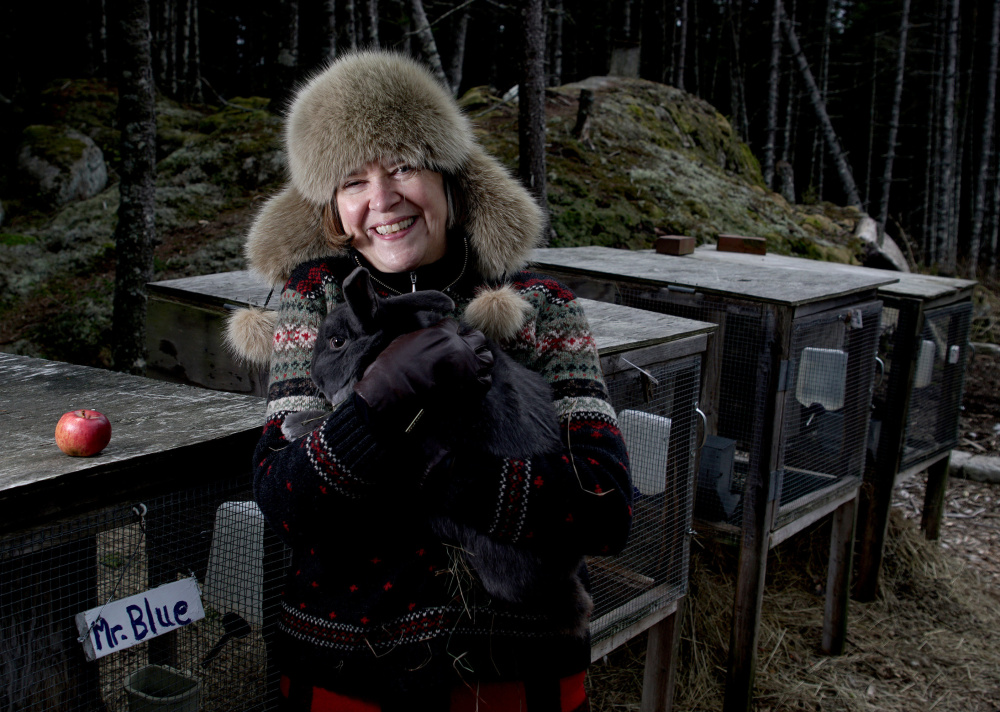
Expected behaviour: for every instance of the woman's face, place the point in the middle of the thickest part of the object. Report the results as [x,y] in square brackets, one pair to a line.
[395,215]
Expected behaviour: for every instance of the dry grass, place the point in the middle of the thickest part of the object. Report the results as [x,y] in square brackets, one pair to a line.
[929,642]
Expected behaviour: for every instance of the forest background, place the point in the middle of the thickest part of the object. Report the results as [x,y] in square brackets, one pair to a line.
[887,106]
[794,129]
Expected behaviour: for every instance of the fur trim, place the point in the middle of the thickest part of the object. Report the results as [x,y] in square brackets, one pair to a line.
[505,221]
[286,233]
[250,334]
[367,106]
[499,313]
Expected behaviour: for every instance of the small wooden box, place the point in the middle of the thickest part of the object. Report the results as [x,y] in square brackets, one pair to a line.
[674,245]
[741,243]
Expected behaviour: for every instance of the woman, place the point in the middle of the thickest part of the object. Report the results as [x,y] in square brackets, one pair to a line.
[385,172]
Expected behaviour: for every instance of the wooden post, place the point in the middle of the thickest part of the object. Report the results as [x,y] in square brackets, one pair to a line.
[880,475]
[937,486]
[838,578]
[660,671]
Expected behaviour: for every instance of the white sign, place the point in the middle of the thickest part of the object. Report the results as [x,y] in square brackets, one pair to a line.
[133,620]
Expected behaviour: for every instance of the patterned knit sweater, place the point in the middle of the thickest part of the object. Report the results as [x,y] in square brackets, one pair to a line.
[374,605]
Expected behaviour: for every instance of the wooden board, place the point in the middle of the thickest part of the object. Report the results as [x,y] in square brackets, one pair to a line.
[784,286]
[154,425]
[908,285]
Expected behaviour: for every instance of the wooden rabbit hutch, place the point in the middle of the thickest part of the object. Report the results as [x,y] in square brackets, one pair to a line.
[652,365]
[787,394]
[924,350]
[98,553]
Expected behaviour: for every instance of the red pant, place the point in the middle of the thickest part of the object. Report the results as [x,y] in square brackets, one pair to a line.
[565,695]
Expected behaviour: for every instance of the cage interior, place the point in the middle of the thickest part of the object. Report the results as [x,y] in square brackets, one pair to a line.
[54,573]
[738,358]
[827,404]
[936,397]
[656,409]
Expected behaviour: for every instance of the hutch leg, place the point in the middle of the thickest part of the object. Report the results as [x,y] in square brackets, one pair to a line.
[661,663]
[746,623]
[937,486]
[875,501]
[838,580]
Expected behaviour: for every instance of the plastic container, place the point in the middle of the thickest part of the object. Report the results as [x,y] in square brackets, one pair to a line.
[158,688]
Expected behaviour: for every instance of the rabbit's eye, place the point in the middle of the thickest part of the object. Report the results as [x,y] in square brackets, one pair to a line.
[337,342]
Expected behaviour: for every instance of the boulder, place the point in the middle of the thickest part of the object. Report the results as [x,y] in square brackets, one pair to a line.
[979,468]
[59,165]
[884,256]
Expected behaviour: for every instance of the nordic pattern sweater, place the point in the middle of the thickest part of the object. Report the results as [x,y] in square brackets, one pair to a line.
[373,605]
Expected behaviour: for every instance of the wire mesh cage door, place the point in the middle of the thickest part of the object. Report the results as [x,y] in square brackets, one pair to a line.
[54,573]
[936,397]
[657,412]
[738,361]
[829,379]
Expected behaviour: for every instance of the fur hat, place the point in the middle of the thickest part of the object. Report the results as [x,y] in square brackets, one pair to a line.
[366,106]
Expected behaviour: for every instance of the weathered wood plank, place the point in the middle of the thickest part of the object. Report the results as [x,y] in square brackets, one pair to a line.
[790,287]
[909,284]
[154,424]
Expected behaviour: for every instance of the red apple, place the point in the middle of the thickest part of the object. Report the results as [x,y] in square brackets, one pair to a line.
[82,433]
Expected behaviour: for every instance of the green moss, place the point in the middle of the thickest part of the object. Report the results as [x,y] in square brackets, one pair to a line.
[241,115]
[11,239]
[53,145]
[804,247]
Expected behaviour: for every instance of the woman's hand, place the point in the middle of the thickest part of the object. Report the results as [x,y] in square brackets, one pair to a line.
[436,362]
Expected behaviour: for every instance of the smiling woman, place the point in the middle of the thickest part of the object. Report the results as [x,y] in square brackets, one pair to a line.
[394,214]
[386,173]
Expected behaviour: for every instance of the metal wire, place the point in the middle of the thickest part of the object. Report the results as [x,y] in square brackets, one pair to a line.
[936,398]
[656,408]
[52,573]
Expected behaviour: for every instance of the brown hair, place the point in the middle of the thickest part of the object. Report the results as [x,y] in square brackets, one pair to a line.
[458,211]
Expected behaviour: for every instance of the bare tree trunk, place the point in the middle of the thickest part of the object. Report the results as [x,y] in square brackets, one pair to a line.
[819,153]
[458,54]
[288,55]
[897,100]
[430,49]
[531,101]
[773,91]
[681,46]
[791,111]
[163,42]
[986,135]
[995,234]
[183,70]
[555,66]
[736,87]
[372,6]
[944,205]
[352,24]
[829,134]
[195,91]
[331,29]
[872,116]
[407,27]
[134,235]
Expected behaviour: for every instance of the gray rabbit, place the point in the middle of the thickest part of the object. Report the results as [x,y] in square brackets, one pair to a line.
[516,420]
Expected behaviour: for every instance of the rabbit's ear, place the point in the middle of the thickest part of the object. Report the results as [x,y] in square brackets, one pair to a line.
[361,297]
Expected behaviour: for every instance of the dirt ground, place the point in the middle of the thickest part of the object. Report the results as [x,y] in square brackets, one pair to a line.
[929,642]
